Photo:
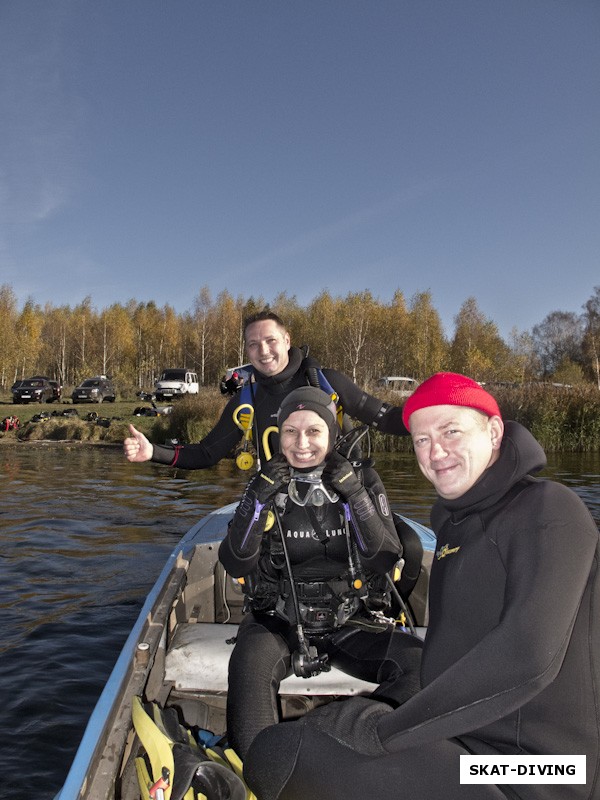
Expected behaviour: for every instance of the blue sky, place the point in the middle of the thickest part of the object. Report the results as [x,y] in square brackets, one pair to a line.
[151,147]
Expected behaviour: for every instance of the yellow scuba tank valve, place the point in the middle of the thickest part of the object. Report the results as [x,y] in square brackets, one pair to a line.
[243,416]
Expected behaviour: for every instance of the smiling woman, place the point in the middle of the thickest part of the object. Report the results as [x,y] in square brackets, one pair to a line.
[304,439]
[312,540]
[308,427]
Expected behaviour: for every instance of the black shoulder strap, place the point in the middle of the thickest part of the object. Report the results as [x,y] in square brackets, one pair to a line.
[311,368]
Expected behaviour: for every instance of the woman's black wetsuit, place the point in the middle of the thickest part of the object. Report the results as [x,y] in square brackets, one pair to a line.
[269,391]
[317,544]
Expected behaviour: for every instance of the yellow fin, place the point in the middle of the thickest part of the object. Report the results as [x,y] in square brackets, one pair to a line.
[156,744]
[143,777]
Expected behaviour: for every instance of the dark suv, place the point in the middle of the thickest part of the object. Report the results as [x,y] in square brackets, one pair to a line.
[34,390]
[56,386]
[95,390]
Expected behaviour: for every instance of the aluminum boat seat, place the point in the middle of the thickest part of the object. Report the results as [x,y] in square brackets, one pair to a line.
[199,654]
[198,659]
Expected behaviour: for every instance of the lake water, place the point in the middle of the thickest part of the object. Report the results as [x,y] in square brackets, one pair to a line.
[84,535]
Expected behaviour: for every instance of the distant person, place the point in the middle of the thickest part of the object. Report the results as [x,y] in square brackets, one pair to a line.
[511,660]
[278,369]
[232,384]
[313,539]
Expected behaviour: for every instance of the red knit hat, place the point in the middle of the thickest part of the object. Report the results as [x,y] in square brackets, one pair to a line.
[450,389]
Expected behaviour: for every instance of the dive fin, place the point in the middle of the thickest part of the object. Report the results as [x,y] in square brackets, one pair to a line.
[229,758]
[235,762]
[194,772]
[218,782]
[154,741]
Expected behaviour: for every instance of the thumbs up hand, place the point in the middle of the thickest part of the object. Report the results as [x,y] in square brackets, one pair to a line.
[136,447]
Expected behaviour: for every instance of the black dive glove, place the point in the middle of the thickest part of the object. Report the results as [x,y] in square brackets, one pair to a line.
[274,475]
[339,474]
[353,722]
[239,550]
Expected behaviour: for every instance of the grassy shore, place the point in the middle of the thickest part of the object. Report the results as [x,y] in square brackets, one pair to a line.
[561,419]
[109,426]
[108,423]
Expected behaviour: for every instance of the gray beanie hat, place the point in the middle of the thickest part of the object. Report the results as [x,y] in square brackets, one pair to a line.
[309,398]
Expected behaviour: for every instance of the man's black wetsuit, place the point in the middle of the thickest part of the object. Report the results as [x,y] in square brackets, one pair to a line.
[269,391]
[511,662]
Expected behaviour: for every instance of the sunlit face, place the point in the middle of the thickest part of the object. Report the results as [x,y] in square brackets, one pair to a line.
[267,346]
[304,439]
[454,446]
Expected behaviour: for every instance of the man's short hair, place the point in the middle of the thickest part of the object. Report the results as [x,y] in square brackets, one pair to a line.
[261,316]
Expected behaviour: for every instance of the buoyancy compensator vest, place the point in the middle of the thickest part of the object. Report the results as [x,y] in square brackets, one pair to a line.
[245,418]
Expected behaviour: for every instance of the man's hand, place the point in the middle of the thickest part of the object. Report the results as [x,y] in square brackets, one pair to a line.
[339,474]
[136,447]
[353,722]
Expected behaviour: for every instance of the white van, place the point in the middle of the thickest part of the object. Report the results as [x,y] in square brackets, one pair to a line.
[398,383]
[175,383]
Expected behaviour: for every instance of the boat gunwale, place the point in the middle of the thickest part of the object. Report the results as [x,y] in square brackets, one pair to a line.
[92,738]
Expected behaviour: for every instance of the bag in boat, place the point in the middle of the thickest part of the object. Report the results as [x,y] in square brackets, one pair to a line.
[176,765]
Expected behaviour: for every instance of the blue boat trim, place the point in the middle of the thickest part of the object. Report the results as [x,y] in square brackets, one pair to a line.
[425,534]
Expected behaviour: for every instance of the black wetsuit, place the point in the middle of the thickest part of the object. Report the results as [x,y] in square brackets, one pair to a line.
[269,391]
[511,662]
[317,545]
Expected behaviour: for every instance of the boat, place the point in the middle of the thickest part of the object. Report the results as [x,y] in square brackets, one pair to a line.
[176,657]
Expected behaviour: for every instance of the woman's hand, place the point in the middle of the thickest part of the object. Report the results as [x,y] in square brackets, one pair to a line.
[136,447]
[340,476]
[274,475]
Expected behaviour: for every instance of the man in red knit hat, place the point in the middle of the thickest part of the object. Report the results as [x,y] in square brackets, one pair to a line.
[457,461]
[511,661]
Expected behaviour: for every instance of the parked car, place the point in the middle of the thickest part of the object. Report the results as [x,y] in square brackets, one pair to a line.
[33,390]
[175,383]
[94,390]
[56,387]
[400,384]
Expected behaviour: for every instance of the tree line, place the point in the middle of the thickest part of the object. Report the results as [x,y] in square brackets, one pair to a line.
[358,334]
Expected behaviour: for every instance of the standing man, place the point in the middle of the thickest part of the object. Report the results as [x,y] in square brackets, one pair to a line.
[279,368]
[511,660]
